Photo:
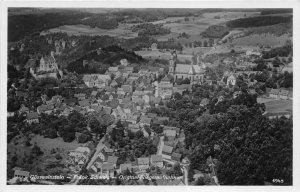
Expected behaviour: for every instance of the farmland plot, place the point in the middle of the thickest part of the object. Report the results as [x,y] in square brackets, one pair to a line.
[262,39]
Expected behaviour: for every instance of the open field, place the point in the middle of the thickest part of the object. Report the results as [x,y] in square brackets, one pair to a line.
[41,163]
[122,31]
[47,144]
[262,39]
[225,16]
[162,55]
[276,106]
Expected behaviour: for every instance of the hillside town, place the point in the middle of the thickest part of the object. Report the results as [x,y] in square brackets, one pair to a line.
[114,117]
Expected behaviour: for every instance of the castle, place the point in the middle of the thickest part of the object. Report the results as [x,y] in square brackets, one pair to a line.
[194,72]
[48,68]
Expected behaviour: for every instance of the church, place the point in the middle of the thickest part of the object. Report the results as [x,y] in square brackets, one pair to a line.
[194,72]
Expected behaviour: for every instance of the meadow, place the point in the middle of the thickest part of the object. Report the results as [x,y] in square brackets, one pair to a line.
[266,39]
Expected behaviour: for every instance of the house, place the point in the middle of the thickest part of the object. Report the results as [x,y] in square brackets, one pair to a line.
[231,80]
[23,109]
[129,69]
[113,69]
[167,152]
[274,93]
[283,94]
[157,160]
[181,137]
[48,109]
[143,163]
[160,120]
[176,156]
[132,118]
[84,103]
[146,99]
[94,93]
[112,160]
[70,102]
[253,52]
[107,168]
[32,117]
[134,128]
[165,88]
[125,166]
[120,91]
[145,121]
[127,88]
[21,174]
[204,102]
[10,114]
[114,83]
[148,90]
[170,134]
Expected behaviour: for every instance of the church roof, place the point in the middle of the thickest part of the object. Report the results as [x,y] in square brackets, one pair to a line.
[188,69]
[166,79]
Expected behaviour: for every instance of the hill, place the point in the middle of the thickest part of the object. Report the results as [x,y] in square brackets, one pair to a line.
[108,57]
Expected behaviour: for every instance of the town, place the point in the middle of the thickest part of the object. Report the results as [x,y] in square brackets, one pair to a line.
[95,112]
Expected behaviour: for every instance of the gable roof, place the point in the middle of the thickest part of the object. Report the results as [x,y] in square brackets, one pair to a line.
[143,161]
[274,91]
[33,115]
[170,132]
[22,173]
[176,155]
[84,103]
[167,149]
[156,158]
[112,159]
[107,167]
[125,166]
[145,119]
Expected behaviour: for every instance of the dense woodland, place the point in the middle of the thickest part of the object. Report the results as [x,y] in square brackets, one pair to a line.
[258,21]
[275,11]
[215,31]
[22,25]
[235,132]
[148,29]
[109,56]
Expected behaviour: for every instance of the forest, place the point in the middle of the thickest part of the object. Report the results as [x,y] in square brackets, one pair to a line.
[258,21]
[21,25]
[215,31]
[275,11]
[109,56]
[148,29]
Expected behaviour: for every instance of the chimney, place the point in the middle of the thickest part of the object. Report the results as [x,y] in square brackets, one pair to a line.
[52,54]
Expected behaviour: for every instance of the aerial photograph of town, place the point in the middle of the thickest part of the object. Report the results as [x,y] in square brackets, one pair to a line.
[149,96]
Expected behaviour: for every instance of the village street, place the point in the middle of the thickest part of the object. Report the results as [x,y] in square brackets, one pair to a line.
[98,149]
[160,145]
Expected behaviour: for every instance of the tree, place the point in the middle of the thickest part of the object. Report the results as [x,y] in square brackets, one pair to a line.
[83,138]
[36,150]
[68,136]
[205,43]
[177,170]
[97,127]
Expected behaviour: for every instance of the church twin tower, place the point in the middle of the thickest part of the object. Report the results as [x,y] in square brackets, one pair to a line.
[193,72]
